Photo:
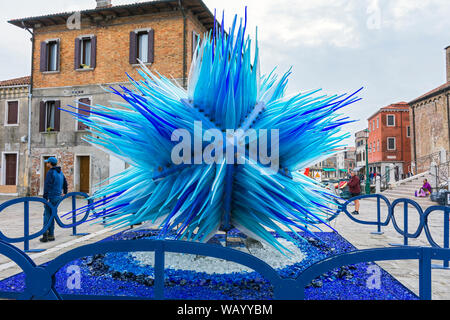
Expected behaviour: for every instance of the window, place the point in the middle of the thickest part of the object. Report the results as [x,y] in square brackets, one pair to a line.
[391,144]
[142,46]
[50,56]
[49,119]
[53,56]
[50,109]
[408,131]
[12,113]
[378,145]
[378,123]
[373,124]
[85,52]
[390,120]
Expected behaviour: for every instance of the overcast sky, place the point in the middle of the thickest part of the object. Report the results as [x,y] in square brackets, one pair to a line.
[393,48]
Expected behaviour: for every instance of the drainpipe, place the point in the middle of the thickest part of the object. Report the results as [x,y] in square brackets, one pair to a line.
[183,12]
[448,119]
[30,98]
[414,137]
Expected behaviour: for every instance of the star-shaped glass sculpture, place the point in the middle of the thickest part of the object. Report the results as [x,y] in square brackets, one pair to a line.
[223,154]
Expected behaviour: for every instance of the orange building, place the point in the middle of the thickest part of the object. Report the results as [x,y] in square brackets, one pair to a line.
[390,140]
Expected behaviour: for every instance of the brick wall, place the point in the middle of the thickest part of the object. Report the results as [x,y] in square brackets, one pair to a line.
[66,162]
[431,125]
[379,136]
[113,41]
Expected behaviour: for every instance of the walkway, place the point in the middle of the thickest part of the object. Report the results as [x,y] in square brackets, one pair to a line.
[407,272]
[11,224]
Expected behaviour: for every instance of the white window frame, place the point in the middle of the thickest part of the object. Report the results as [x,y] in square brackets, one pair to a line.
[58,66]
[137,31]
[6,113]
[46,114]
[378,124]
[395,144]
[387,120]
[82,50]
[408,131]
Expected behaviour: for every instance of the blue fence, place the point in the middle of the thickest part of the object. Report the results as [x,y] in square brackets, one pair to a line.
[54,209]
[404,230]
[39,280]
[40,284]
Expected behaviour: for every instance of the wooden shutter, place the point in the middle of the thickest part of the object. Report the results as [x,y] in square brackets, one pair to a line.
[57,116]
[13,112]
[42,117]
[86,111]
[93,52]
[44,56]
[133,48]
[151,46]
[77,62]
[58,50]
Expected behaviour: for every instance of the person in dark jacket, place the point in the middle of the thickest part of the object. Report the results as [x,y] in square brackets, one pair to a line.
[354,187]
[55,183]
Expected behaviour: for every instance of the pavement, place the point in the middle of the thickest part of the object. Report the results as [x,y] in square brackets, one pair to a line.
[11,224]
[407,272]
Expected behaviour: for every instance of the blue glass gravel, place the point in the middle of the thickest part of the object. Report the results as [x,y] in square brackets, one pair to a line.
[119,274]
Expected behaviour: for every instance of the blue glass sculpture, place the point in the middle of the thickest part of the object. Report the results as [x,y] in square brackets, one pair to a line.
[225,91]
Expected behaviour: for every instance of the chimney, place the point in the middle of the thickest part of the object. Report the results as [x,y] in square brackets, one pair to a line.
[103,4]
[447,54]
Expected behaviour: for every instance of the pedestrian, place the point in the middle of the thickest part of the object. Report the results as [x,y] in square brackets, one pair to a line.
[425,190]
[55,183]
[354,187]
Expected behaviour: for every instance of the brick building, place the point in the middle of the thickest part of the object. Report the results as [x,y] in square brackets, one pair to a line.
[14,149]
[390,140]
[430,119]
[72,64]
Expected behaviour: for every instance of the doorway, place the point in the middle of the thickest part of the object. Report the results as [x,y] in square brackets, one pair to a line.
[84,173]
[11,169]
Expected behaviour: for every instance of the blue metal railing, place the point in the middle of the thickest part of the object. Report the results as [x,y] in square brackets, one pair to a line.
[40,286]
[54,209]
[404,231]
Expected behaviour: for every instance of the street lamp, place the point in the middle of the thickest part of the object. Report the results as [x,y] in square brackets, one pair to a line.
[367,163]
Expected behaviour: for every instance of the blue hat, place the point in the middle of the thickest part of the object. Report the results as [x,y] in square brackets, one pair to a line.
[52,160]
